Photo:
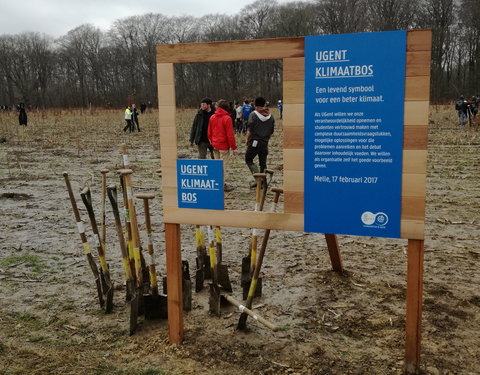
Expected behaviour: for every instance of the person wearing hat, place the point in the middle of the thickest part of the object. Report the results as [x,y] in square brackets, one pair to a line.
[199,131]
[260,128]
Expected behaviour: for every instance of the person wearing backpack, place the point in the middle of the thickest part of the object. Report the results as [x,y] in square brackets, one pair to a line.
[260,128]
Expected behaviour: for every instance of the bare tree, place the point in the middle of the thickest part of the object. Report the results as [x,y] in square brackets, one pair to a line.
[342,16]
[384,15]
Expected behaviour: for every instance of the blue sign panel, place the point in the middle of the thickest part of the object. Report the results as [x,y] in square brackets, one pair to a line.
[200,183]
[354,95]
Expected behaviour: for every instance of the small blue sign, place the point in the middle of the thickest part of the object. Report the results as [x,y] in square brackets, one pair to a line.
[200,183]
[354,104]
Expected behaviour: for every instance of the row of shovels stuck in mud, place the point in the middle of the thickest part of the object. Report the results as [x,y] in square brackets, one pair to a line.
[142,288]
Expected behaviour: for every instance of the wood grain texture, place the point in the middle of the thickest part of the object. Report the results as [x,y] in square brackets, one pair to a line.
[419,40]
[293,159]
[293,202]
[294,69]
[413,208]
[165,74]
[293,137]
[174,285]
[413,321]
[417,88]
[293,114]
[234,218]
[415,137]
[416,113]
[236,50]
[293,92]
[414,162]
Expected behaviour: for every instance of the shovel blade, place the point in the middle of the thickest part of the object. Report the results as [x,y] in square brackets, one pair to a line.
[223,278]
[187,295]
[155,306]
[207,271]
[258,289]
[134,302]
[109,300]
[214,299]
[242,321]
[199,279]
[245,276]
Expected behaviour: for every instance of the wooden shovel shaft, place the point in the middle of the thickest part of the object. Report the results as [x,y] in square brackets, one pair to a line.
[112,195]
[86,247]
[259,177]
[151,267]
[128,227]
[213,257]
[245,310]
[134,225]
[258,266]
[86,197]
[103,236]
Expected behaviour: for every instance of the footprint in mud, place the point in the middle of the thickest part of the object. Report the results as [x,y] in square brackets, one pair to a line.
[15,196]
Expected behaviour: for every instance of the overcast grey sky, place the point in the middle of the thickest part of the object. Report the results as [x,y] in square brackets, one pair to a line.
[57,17]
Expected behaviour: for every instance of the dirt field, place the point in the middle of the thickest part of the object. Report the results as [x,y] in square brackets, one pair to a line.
[51,323]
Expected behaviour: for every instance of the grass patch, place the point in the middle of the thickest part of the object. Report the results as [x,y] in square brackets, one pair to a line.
[35,263]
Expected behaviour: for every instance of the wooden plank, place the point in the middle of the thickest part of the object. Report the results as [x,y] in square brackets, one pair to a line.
[419,40]
[413,208]
[167,115]
[293,92]
[417,88]
[294,69]
[168,134]
[293,114]
[334,252]
[293,159]
[293,202]
[165,74]
[416,113]
[413,185]
[169,176]
[169,197]
[234,218]
[413,323]
[415,137]
[418,64]
[412,229]
[174,285]
[293,180]
[414,162]
[293,137]
[168,155]
[166,94]
[235,50]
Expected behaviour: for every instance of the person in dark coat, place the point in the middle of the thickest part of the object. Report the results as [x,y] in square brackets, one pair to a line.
[199,130]
[22,114]
[135,123]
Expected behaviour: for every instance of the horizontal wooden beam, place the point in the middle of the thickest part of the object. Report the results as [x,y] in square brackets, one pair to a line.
[235,50]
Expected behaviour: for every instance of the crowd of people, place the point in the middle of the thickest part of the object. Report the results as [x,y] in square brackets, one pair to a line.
[214,127]
[467,111]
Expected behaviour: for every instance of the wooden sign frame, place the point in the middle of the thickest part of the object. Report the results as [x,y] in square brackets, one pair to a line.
[291,51]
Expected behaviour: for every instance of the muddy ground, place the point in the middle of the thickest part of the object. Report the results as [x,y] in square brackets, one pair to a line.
[51,323]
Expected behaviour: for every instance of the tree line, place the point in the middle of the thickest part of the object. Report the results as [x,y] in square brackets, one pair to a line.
[87,66]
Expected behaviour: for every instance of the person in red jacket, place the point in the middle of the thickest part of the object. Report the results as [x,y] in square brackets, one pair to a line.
[221,136]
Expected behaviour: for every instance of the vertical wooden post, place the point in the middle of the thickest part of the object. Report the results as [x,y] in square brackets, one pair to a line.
[334,252]
[414,306]
[174,284]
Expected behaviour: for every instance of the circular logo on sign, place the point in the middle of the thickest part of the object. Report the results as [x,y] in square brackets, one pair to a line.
[381,219]
[368,218]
